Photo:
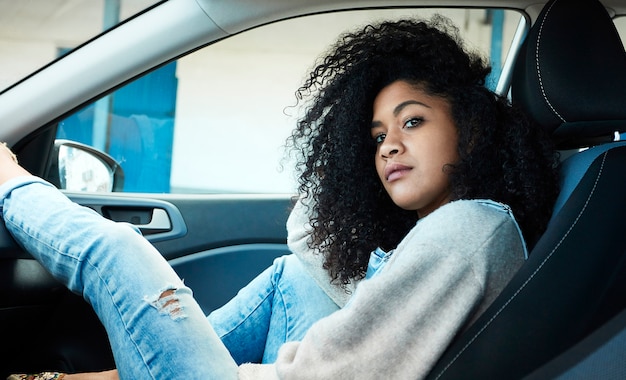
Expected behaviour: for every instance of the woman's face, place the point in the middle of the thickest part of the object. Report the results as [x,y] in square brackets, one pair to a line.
[416,138]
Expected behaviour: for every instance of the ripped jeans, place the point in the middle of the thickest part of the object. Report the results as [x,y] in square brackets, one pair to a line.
[155,327]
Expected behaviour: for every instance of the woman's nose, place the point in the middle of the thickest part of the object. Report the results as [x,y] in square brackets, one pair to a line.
[391,145]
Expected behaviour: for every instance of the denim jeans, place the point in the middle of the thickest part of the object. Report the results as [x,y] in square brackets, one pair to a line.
[276,307]
[156,328]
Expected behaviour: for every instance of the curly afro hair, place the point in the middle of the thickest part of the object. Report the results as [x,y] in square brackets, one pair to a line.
[502,156]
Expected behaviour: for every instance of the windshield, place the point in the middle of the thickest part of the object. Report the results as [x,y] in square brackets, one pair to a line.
[33,33]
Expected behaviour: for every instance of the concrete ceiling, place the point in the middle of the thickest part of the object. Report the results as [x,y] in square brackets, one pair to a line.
[66,21]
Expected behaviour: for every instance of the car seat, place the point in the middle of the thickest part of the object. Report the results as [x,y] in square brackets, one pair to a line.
[570,77]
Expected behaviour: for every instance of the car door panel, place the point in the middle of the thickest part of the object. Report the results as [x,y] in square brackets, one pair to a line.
[217,244]
[216,275]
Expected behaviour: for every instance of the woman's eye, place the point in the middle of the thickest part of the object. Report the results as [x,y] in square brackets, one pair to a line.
[413,122]
[379,138]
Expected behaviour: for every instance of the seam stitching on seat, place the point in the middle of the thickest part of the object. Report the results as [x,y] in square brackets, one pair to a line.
[543,90]
[532,275]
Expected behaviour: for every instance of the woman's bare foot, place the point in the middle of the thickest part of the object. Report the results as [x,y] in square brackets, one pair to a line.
[9,168]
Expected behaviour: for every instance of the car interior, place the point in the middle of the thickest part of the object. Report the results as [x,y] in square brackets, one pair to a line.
[570,80]
[564,305]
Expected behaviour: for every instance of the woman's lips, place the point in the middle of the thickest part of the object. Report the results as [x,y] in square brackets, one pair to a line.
[394,171]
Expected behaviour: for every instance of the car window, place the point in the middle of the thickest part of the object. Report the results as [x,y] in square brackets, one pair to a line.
[216,120]
[35,32]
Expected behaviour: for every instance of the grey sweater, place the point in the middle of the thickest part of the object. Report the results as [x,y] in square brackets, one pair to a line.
[442,276]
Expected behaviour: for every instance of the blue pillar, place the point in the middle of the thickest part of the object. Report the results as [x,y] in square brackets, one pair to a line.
[103,106]
[497,27]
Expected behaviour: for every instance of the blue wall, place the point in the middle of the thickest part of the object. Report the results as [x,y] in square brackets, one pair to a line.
[137,129]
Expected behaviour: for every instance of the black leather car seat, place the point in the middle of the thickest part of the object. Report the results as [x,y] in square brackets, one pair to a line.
[570,77]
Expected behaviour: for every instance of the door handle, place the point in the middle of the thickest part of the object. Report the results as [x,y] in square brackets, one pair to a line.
[150,220]
[159,222]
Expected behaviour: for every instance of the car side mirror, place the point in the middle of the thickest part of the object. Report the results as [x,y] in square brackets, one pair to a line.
[80,167]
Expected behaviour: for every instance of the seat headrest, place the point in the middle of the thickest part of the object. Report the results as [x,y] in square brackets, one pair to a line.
[570,74]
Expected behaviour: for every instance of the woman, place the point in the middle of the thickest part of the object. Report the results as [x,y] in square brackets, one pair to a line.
[402,146]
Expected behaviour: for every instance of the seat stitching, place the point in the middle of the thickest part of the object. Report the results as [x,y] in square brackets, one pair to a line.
[533,274]
[543,90]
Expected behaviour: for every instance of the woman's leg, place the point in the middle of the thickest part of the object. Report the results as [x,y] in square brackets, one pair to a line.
[278,306]
[156,328]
